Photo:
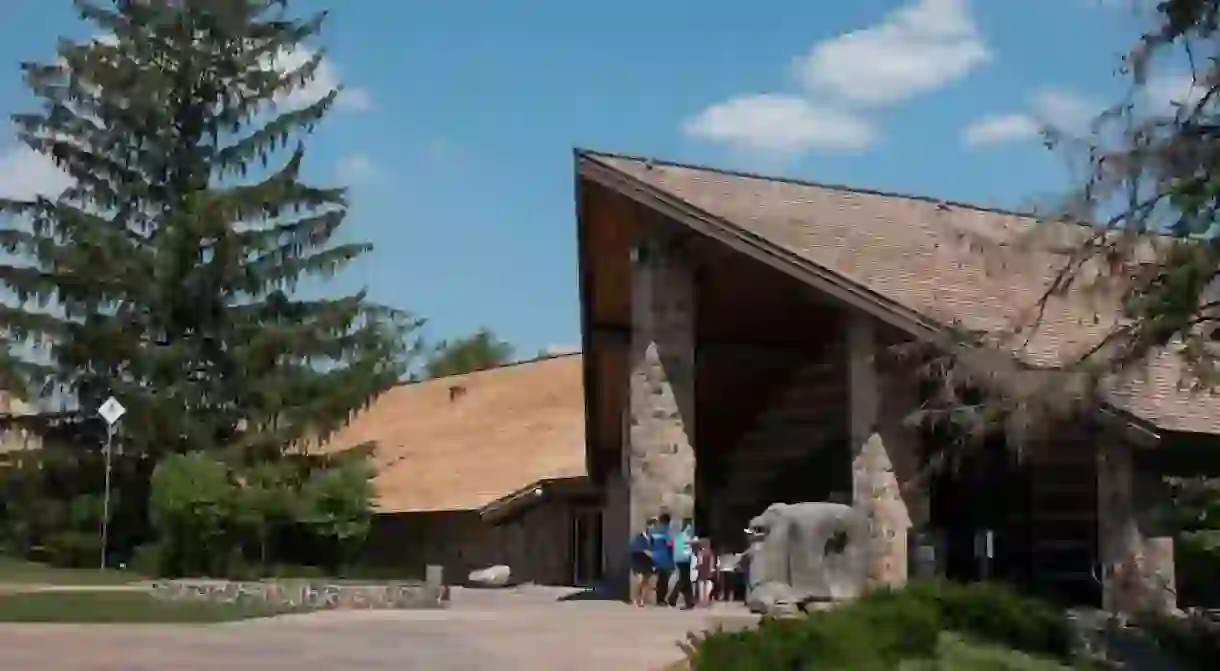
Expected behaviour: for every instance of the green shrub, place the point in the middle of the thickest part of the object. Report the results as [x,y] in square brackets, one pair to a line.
[296,571]
[996,613]
[191,506]
[148,559]
[888,627]
[1194,641]
[954,653]
[73,549]
[1196,565]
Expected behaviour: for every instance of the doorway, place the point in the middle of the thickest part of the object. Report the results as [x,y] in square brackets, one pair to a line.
[586,554]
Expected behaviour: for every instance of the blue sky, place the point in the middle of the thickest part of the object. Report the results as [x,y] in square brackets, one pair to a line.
[457,129]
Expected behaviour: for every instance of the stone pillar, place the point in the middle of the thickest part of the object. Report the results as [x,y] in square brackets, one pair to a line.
[875,487]
[660,454]
[1137,572]
[616,531]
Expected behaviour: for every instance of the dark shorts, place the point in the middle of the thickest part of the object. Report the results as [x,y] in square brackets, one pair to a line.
[642,564]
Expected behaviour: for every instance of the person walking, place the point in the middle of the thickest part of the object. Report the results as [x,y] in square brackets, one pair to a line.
[683,555]
[726,583]
[661,544]
[643,568]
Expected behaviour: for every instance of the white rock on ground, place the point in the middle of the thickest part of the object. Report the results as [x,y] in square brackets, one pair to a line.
[492,576]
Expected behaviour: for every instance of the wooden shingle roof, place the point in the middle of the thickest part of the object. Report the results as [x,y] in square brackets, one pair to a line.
[925,256]
[462,442]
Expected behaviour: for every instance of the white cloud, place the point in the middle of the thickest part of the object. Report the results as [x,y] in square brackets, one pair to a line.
[357,168]
[915,49]
[24,174]
[1055,108]
[1000,129]
[326,79]
[780,124]
[1065,109]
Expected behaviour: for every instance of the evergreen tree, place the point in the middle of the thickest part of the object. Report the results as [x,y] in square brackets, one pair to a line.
[167,274]
[478,351]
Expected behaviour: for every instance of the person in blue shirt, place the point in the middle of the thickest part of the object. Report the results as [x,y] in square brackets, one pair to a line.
[662,556]
[683,553]
[643,569]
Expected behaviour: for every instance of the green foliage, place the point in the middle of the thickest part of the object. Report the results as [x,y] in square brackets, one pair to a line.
[22,572]
[886,628]
[1193,512]
[215,519]
[51,503]
[266,499]
[1193,640]
[954,653]
[148,559]
[478,351]
[192,507]
[74,549]
[123,606]
[335,506]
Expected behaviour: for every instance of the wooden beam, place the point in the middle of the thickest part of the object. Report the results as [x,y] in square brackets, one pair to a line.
[613,334]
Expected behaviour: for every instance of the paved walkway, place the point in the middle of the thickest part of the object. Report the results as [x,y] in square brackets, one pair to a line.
[526,628]
[22,588]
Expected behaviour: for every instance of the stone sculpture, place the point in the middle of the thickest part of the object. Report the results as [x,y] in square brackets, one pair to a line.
[492,576]
[804,553]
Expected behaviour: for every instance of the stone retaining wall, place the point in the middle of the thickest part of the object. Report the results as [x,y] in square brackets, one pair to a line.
[308,594]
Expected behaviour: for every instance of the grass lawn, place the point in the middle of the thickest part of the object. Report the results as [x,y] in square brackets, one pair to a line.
[120,607]
[16,571]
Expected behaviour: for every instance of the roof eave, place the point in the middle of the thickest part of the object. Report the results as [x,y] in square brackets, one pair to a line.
[1135,430]
[510,505]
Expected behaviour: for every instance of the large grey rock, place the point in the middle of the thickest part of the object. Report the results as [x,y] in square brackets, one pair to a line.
[803,553]
[492,576]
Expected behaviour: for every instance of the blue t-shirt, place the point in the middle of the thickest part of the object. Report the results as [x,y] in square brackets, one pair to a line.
[662,556]
[682,549]
[641,543]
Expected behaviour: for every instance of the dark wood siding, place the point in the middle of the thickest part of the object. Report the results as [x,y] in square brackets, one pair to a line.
[537,544]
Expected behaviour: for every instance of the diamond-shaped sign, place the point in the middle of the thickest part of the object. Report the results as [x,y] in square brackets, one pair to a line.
[112,410]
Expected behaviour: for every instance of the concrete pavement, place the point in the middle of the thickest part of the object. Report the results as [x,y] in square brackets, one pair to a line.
[527,628]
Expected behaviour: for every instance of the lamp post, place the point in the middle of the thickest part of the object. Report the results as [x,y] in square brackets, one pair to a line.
[111,411]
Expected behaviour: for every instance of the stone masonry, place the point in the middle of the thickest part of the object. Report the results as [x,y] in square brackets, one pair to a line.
[1138,571]
[875,486]
[308,594]
[659,455]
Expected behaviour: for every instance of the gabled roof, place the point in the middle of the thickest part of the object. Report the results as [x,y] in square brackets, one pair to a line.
[919,260]
[465,441]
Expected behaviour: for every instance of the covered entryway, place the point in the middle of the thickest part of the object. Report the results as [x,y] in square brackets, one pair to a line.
[718,384]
